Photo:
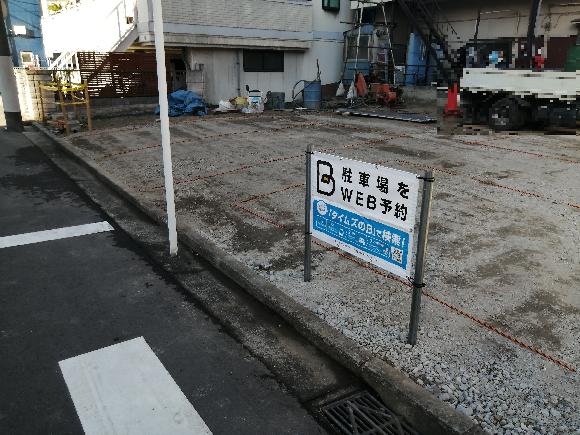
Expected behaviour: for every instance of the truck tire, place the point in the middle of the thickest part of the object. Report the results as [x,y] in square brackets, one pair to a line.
[507,114]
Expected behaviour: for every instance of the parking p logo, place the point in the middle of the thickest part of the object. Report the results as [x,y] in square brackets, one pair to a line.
[325,184]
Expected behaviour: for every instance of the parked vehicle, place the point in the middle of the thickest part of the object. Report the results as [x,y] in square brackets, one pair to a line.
[514,99]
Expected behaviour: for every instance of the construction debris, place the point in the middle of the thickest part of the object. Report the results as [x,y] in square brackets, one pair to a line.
[185,102]
[397,116]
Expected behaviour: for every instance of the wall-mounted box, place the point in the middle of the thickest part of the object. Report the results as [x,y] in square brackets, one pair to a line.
[20,30]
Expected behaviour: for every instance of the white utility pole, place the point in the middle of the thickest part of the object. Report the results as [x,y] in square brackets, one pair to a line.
[8,87]
[164,116]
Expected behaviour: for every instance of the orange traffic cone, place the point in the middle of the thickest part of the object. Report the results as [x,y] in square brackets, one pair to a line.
[451,108]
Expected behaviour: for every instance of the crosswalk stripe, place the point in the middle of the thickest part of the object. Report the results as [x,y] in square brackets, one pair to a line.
[54,234]
[125,389]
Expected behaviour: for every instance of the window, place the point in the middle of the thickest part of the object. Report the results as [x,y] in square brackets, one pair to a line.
[263,61]
[331,5]
[363,47]
[27,58]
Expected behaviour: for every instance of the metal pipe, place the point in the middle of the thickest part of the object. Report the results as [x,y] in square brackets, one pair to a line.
[420,259]
[239,73]
[88,106]
[532,31]
[307,210]
[477,23]
[164,118]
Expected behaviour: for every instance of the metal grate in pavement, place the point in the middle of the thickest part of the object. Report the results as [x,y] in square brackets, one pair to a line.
[363,414]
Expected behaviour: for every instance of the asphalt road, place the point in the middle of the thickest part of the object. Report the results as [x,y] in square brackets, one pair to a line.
[63,298]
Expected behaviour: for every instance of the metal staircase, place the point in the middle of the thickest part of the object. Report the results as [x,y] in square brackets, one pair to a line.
[423,15]
[120,32]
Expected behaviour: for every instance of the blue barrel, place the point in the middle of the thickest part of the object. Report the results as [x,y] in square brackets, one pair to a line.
[312,94]
[416,60]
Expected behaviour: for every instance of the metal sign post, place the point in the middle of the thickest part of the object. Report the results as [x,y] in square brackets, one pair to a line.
[420,259]
[307,210]
[164,117]
[369,211]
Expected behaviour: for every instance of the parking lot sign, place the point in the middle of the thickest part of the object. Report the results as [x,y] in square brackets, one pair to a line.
[365,209]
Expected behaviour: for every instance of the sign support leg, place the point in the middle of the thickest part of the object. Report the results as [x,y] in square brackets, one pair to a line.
[307,211]
[420,259]
[88,106]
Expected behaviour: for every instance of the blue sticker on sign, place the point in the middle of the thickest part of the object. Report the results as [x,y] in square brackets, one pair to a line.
[367,235]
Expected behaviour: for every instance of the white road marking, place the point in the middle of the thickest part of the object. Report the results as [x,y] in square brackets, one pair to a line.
[125,389]
[55,234]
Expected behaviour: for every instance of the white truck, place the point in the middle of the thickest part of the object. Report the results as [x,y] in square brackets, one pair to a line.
[514,99]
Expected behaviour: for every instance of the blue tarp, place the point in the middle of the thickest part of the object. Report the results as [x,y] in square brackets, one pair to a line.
[185,102]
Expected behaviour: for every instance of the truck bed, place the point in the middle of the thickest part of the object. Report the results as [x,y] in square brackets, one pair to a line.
[564,86]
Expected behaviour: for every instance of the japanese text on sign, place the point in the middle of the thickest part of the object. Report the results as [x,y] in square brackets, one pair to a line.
[386,194]
[365,209]
[359,235]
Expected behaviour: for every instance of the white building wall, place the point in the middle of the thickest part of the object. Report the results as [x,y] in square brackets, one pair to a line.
[219,69]
[221,74]
[210,23]
[509,19]
[328,42]
[325,42]
[283,15]
[277,82]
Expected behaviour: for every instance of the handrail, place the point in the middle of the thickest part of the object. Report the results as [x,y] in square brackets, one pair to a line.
[117,14]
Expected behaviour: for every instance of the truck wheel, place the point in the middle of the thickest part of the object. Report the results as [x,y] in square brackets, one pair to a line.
[507,114]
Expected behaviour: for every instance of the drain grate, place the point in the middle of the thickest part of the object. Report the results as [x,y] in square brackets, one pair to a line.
[363,414]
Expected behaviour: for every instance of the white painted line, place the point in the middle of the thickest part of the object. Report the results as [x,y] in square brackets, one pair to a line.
[125,389]
[55,234]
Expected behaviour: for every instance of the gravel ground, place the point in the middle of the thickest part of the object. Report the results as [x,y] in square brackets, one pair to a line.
[504,247]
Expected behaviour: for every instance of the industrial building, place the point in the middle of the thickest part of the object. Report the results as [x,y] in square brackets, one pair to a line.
[217,48]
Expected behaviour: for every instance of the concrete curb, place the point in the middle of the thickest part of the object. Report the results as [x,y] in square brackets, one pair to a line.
[429,415]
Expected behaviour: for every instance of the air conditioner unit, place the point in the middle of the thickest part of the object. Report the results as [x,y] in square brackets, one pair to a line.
[20,30]
[356,4]
[28,59]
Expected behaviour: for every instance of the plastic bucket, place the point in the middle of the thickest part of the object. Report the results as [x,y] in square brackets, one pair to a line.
[312,94]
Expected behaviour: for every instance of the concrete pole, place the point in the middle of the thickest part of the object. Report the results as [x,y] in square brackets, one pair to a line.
[8,86]
[164,117]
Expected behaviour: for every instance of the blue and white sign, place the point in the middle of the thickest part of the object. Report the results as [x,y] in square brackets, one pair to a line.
[366,210]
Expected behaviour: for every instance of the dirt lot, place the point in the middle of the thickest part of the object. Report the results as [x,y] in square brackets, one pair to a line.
[501,311]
